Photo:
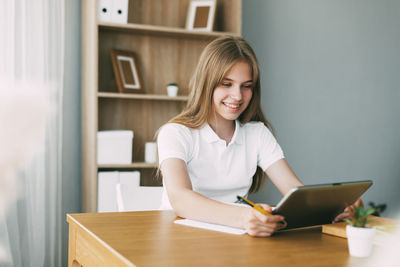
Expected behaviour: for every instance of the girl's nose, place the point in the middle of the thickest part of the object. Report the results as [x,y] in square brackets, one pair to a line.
[236,93]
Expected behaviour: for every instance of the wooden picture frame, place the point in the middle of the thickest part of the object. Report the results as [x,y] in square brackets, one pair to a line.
[201,14]
[125,71]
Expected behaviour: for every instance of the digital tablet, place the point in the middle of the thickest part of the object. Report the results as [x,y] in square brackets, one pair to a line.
[311,205]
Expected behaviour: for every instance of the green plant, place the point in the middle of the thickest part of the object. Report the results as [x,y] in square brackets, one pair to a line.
[173,84]
[358,216]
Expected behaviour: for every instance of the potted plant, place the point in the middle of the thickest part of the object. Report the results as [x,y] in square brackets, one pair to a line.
[172,89]
[359,234]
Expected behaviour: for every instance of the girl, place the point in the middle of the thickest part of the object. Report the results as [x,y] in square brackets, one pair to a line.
[221,145]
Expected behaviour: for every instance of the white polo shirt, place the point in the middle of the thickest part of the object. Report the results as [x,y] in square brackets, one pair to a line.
[216,170]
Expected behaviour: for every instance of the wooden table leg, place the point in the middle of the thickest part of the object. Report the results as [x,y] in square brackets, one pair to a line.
[72,262]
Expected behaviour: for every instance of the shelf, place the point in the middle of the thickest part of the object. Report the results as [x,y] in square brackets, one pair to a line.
[134,165]
[141,96]
[166,52]
[161,30]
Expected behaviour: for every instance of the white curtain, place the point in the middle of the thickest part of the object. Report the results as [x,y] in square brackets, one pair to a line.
[31,77]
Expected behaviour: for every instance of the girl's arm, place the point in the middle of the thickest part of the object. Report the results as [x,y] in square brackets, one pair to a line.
[192,205]
[283,176]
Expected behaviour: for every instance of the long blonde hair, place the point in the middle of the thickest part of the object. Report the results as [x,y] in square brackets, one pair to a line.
[215,61]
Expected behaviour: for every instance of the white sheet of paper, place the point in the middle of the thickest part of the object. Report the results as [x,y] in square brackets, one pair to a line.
[211,226]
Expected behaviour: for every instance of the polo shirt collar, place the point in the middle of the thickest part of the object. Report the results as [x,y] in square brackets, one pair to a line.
[238,134]
[210,136]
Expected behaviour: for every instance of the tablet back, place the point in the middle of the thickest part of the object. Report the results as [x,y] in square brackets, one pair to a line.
[311,205]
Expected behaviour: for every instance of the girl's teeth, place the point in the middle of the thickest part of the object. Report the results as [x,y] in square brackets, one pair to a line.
[231,105]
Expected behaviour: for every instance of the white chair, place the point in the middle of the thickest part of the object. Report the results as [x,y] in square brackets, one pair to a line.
[121,191]
[141,198]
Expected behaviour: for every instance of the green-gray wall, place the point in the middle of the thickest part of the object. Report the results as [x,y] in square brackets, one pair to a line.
[71,153]
[330,86]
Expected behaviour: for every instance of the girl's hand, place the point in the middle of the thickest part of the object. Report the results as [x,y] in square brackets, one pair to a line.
[346,212]
[258,224]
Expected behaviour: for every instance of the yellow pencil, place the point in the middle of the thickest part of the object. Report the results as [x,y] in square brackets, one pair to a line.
[254,205]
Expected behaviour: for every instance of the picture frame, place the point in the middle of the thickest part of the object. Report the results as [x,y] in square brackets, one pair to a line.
[126,72]
[201,15]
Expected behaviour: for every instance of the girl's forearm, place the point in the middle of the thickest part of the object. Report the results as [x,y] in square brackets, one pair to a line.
[192,205]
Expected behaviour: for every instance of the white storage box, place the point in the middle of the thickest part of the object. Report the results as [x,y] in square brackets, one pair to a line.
[114,11]
[114,147]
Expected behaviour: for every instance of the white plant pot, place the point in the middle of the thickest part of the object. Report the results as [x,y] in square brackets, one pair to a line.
[360,240]
[172,90]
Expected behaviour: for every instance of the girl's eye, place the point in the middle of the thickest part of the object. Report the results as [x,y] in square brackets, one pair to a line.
[226,84]
[248,86]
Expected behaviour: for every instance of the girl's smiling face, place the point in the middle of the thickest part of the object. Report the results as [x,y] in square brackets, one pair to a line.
[233,95]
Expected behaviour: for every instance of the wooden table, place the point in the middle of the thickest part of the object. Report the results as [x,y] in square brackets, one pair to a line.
[152,239]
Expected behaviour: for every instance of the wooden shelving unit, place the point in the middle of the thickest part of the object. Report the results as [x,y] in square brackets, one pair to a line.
[164,52]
